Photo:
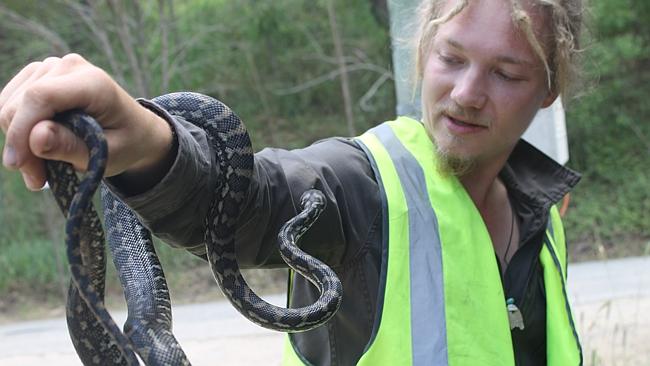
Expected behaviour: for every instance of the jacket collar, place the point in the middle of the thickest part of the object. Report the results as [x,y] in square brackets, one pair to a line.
[536,176]
[536,182]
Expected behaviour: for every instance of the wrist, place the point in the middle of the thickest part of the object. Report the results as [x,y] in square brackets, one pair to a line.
[157,155]
[161,135]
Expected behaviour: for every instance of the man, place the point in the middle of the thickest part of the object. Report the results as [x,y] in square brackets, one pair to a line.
[443,233]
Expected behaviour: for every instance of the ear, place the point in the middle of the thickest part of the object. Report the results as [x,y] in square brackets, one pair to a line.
[549,99]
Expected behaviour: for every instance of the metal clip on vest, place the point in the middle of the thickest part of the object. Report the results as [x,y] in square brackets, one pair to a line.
[514,315]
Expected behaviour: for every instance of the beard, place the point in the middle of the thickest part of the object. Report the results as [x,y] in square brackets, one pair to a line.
[450,162]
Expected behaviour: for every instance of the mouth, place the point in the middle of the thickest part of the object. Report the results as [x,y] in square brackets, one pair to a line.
[461,126]
[462,122]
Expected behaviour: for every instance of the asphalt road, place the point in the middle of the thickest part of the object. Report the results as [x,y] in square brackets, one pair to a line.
[611,304]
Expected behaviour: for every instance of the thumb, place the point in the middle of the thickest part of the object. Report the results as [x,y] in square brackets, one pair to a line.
[50,140]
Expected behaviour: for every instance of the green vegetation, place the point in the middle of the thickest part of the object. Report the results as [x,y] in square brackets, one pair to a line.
[274,62]
[609,135]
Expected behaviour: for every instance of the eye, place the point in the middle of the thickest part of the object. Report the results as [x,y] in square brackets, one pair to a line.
[508,77]
[449,59]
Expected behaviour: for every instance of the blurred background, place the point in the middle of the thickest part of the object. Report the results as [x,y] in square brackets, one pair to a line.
[297,71]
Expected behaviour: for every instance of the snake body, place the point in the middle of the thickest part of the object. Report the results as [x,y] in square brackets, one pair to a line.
[149,322]
[95,335]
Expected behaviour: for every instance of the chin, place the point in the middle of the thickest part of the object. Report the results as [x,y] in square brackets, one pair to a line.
[454,164]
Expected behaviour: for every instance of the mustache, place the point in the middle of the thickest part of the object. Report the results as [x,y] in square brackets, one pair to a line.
[466,114]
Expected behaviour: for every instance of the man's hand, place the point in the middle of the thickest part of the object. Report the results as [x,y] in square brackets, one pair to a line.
[137,138]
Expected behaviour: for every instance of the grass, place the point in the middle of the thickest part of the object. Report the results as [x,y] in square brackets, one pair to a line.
[38,264]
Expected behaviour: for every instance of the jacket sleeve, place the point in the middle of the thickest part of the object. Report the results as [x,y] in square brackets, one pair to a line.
[175,208]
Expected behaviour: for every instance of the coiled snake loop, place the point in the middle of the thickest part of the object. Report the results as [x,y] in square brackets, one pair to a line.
[147,331]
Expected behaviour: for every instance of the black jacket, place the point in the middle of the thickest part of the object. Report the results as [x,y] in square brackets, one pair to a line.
[347,236]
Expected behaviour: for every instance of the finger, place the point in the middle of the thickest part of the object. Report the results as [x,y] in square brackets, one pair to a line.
[18,80]
[10,91]
[23,79]
[33,172]
[41,101]
[6,115]
[10,100]
[52,141]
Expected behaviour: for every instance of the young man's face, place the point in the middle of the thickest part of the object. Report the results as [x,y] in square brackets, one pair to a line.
[482,83]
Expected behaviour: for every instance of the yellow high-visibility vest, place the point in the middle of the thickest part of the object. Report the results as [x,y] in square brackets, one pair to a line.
[442,299]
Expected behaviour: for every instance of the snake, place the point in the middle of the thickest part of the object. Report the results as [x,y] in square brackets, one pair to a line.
[147,334]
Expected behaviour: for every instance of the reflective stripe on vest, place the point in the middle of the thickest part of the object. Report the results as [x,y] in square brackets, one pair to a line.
[562,342]
[442,302]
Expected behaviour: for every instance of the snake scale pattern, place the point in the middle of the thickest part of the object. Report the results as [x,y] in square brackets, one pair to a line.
[147,331]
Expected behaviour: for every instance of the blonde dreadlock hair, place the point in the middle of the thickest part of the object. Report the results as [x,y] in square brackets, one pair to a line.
[561,60]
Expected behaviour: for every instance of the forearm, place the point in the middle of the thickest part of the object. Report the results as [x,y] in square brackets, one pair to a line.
[174,207]
[172,199]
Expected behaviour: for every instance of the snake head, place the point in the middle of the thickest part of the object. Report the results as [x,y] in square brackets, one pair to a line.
[313,197]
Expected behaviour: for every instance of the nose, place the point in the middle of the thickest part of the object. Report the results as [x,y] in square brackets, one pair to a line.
[469,91]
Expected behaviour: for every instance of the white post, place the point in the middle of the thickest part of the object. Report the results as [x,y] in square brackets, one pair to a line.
[402,27]
[548,132]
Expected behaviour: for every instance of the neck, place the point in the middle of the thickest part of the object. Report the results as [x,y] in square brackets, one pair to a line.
[481,183]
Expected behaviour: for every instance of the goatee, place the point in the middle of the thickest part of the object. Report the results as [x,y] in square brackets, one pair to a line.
[453,165]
